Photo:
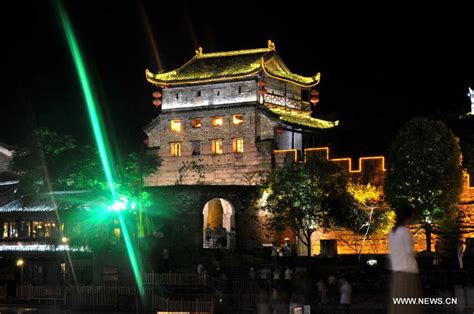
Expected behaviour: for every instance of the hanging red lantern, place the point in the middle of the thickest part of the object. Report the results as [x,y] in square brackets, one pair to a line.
[156,94]
[314,92]
[156,102]
[262,83]
[314,100]
[262,91]
[279,130]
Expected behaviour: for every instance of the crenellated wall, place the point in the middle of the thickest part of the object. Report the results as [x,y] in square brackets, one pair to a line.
[372,170]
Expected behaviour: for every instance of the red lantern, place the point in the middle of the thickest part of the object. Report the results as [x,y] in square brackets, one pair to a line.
[156,102]
[314,100]
[314,92]
[157,94]
[262,91]
[262,83]
[279,130]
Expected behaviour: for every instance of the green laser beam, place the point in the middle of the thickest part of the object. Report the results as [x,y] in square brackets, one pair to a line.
[99,135]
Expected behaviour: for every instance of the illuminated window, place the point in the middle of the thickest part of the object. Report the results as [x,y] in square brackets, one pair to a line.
[117,232]
[176,125]
[13,230]
[217,147]
[37,229]
[5,230]
[217,121]
[175,149]
[238,119]
[49,227]
[238,145]
[196,123]
[196,148]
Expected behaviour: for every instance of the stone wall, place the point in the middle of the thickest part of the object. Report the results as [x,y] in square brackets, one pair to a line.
[228,168]
[210,94]
[181,206]
[372,170]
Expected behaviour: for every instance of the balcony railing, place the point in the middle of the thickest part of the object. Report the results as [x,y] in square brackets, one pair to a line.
[286,102]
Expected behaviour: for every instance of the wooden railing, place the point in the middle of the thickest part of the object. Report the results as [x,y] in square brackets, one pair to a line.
[52,293]
[237,286]
[175,279]
[167,305]
[76,295]
[286,102]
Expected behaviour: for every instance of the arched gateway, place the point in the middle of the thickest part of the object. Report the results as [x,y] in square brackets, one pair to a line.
[218,224]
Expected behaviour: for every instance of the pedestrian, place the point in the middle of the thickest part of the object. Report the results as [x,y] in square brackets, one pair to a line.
[287,279]
[166,259]
[287,248]
[323,292]
[460,254]
[231,242]
[208,236]
[274,254]
[276,278]
[405,279]
[223,238]
[436,256]
[200,269]
[345,290]
[252,274]
[332,289]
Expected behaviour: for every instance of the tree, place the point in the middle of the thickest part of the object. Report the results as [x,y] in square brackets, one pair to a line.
[40,161]
[49,161]
[425,171]
[306,196]
[377,217]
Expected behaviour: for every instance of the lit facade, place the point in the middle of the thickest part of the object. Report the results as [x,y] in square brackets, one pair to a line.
[227,112]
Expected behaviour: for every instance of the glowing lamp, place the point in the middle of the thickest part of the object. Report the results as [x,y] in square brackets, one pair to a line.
[20,262]
[64,240]
[314,92]
[157,94]
[118,205]
[262,83]
[314,100]
[372,262]
[262,91]
[156,102]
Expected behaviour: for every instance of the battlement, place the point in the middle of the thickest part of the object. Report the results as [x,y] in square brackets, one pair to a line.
[369,168]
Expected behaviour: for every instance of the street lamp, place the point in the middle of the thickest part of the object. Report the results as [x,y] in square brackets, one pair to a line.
[19,263]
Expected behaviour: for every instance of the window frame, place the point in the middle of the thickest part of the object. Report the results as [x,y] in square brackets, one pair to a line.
[216,118]
[237,147]
[193,125]
[173,121]
[234,116]
[215,146]
[173,151]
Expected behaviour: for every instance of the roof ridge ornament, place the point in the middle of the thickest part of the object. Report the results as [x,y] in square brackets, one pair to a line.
[271,45]
[199,52]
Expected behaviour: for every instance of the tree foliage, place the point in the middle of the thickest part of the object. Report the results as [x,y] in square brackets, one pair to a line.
[425,172]
[306,196]
[49,161]
[425,168]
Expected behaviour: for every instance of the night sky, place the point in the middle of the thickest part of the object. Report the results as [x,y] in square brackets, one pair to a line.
[379,66]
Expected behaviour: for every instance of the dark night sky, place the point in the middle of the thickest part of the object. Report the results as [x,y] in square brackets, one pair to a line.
[379,66]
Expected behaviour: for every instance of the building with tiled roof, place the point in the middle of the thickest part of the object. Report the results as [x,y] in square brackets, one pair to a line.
[227,112]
